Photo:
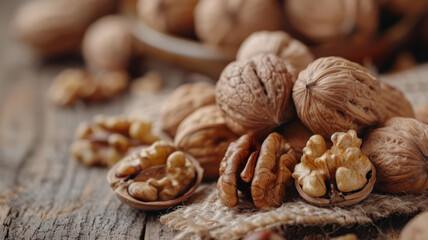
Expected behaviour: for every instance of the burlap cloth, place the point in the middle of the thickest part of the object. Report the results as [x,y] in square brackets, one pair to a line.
[204,216]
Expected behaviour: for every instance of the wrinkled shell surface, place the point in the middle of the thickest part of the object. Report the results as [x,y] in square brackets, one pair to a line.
[168,15]
[416,229]
[399,150]
[395,102]
[229,22]
[254,95]
[422,114]
[205,136]
[280,44]
[335,95]
[108,44]
[182,102]
[329,20]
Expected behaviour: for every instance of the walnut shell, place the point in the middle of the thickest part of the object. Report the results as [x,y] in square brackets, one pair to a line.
[329,20]
[205,136]
[279,43]
[422,114]
[416,229]
[395,102]
[182,102]
[108,44]
[399,151]
[171,16]
[229,22]
[254,95]
[335,95]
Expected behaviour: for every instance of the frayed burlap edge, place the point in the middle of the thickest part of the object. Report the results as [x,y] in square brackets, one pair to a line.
[205,217]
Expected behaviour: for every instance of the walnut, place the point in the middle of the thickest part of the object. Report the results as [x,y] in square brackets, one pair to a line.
[108,44]
[255,95]
[149,83]
[171,16]
[229,22]
[280,44]
[343,166]
[263,235]
[182,102]
[395,102]
[205,136]
[179,173]
[333,94]
[422,114]
[267,172]
[416,229]
[399,151]
[331,20]
[109,139]
[72,85]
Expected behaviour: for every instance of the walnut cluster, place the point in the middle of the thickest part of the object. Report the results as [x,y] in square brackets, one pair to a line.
[72,85]
[343,165]
[261,172]
[179,173]
[109,139]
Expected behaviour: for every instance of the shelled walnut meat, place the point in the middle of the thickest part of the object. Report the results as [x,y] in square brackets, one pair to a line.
[229,22]
[331,20]
[205,136]
[334,95]
[109,139]
[182,102]
[280,44]
[264,173]
[255,95]
[172,16]
[330,173]
[399,150]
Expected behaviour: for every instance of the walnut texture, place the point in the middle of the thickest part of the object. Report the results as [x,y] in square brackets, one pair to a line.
[343,166]
[109,139]
[331,20]
[266,172]
[229,22]
[335,95]
[395,102]
[422,114]
[255,95]
[280,44]
[205,136]
[180,172]
[170,16]
[399,150]
[72,85]
[182,102]
[416,229]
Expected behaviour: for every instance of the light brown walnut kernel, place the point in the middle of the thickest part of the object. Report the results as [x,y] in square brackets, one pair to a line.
[109,139]
[399,150]
[395,102]
[182,102]
[180,172]
[255,95]
[344,167]
[279,43]
[229,22]
[335,95]
[422,114]
[205,136]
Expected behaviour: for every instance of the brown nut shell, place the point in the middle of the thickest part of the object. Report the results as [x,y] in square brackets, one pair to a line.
[255,95]
[205,136]
[395,102]
[335,95]
[422,114]
[399,150]
[182,102]
[416,229]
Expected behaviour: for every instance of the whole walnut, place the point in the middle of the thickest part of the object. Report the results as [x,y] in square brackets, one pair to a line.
[205,136]
[399,151]
[395,102]
[280,44]
[182,102]
[108,44]
[173,16]
[422,114]
[329,20]
[57,27]
[335,95]
[416,229]
[229,22]
[255,95]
